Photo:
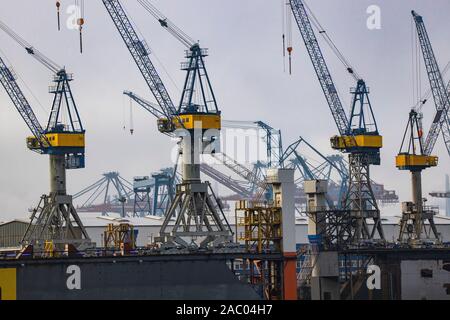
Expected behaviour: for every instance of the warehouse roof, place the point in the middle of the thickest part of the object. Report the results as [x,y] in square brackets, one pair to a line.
[2,223]
[97,220]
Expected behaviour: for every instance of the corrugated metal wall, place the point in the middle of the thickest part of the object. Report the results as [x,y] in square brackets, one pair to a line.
[11,234]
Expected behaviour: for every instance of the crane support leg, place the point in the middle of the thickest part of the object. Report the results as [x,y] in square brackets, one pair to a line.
[416,181]
[200,220]
[360,201]
[413,229]
[56,219]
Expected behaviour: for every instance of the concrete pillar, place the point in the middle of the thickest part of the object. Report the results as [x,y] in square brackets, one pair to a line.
[282,181]
[316,205]
[417,200]
[325,267]
[190,145]
[57,174]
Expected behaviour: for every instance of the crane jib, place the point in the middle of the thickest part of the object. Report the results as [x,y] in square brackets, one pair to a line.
[140,53]
[438,88]
[320,66]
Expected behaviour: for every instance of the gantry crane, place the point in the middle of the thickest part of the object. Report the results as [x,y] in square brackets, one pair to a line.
[416,153]
[55,218]
[200,220]
[358,136]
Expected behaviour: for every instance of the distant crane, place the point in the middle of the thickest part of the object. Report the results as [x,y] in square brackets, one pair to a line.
[415,152]
[358,136]
[55,218]
[200,220]
[103,189]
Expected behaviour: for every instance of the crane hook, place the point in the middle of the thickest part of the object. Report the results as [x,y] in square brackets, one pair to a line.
[58,6]
[289,50]
[80,23]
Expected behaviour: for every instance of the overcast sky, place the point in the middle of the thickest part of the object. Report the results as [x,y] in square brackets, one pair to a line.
[246,69]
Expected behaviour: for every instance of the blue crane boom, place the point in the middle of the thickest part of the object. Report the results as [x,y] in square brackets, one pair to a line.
[140,53]
[320,66]
[19,100]
[438,88]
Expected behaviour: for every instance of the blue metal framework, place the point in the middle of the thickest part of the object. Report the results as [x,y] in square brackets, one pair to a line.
[291,157]
[274,143]
[163,191]
[103,189]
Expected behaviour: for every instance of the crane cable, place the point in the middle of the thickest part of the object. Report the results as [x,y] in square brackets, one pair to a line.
[419,105]
[18,76]
[131,117]
[283,36]
[166,23]
[315,22]
[416,69]
[152,51]
[289,48]
[47,62]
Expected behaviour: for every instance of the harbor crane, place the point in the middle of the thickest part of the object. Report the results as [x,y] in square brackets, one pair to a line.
[55,218]
[416,152]
[358,135]
[200,220]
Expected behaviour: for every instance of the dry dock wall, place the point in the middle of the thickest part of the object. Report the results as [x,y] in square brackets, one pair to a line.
[148,277]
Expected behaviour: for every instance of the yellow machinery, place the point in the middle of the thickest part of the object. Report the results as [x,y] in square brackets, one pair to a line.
[120,237]
[262,227]
[343,143]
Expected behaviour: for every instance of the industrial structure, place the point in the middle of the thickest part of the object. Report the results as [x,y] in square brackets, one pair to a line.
[299,228]
[250,180]
[102,189]
[415,152]
[358,136]
[196,121]
[55,218]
